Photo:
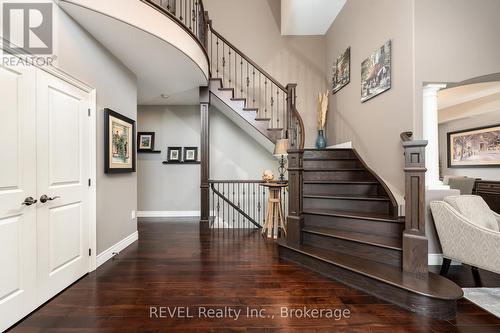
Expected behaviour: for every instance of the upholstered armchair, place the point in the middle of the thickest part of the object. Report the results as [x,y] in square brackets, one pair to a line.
[469,232]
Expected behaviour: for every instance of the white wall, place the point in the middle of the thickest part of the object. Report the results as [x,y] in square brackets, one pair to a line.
[234,155]
[80,55]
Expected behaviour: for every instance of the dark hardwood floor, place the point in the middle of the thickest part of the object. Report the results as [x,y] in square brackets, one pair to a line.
[176,264]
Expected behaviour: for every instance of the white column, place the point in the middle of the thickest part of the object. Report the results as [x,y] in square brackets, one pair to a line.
[431,134]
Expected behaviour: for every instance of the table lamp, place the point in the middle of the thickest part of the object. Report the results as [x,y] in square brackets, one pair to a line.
[281,150]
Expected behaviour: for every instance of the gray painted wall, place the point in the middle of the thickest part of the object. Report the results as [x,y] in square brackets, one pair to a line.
[234,155]
[486,119]
[80,55]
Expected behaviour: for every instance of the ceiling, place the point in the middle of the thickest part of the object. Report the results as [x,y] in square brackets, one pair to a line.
[468,100]
[308,17]
[165,75]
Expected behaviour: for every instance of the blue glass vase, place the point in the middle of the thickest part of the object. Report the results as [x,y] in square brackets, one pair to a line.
[321,142]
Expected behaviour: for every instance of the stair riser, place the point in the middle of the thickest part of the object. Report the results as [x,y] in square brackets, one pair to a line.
[389,229]
[334,189]
[331,164]
[435,308]
[364,206]
[337,175]
[367,251]
[340,153]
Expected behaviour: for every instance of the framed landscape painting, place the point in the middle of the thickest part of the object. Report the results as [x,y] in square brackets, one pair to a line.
[341,71]
[475,147]
[376,73]
[119,143]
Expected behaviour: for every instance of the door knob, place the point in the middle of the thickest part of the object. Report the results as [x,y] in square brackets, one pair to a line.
[29,201]
[44,198]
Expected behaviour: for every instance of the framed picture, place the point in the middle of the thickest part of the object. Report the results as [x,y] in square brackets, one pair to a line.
[174,154]
[341,71]
[190,154]
[119,143]
[475,147]
[145,141]
[376,73]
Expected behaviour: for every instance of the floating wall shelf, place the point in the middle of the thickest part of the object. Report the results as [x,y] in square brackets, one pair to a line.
[149,151]
[182,163]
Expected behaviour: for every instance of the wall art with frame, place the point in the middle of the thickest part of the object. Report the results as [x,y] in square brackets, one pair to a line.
[474,148]
[119,143]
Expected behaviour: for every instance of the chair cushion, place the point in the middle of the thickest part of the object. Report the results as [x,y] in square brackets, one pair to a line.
[475,209]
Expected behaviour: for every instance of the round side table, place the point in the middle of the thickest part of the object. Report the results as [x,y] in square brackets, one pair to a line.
[274,216]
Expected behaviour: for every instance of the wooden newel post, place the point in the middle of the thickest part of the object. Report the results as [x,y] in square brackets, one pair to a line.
[295,218]
[415,248]
[291,99]
[205,154]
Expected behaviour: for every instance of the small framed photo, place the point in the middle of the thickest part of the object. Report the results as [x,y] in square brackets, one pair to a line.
[146,141]
[174,154]
[190,154]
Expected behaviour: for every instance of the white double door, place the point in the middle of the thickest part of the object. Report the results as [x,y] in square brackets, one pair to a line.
[45,156]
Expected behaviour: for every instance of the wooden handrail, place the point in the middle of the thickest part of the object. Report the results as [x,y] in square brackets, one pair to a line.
[250,61]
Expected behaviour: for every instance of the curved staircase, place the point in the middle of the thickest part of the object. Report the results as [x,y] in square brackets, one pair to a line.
[351,232]
[343,221]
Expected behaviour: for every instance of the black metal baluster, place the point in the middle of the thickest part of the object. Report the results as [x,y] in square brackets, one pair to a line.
[265,97]
[248,84]
[253,87]
[272,107]
[217,45]
[233,209]
[241,77]
[278,107]
[229,67]
[180,11]
[223,63]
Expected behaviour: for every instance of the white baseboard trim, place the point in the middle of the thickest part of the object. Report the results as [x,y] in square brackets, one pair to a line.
[436,259]
[120,246]
[151,213]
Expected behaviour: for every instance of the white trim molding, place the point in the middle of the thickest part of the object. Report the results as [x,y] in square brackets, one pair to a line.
[436,259]
[165,213]
[120,246]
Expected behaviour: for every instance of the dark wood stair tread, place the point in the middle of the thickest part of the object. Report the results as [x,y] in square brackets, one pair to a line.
[355,215]
[433,285]
[226,89]
[263,119]
[251,109]
[347,197]
[327,149]
[370,239]
[353,182]
[330,159]
[238,99]
[332,169]
[275,129]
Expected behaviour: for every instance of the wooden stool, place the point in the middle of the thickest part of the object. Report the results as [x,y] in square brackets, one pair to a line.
[274,215]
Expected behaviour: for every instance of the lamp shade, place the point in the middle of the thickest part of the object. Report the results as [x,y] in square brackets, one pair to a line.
[281,147]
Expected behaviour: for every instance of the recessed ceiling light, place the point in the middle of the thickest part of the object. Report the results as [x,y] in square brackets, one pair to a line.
[165,96]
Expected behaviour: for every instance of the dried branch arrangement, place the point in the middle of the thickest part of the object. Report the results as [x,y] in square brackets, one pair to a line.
[322,110]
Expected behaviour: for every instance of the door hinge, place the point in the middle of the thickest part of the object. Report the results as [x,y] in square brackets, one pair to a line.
[89,112]
[90,182]
[90,252]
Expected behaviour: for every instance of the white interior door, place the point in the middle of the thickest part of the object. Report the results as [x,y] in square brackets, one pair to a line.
[63,170]
[17,182]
